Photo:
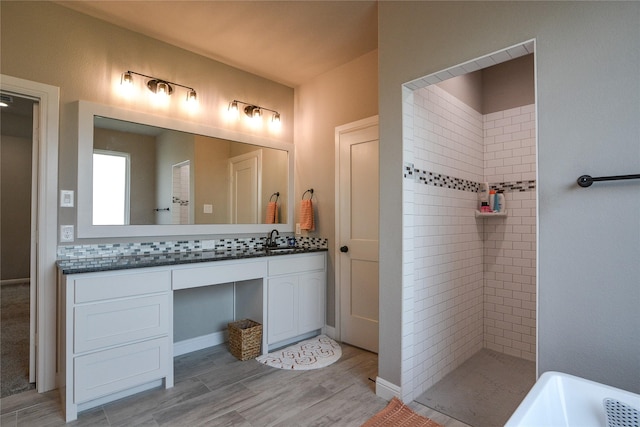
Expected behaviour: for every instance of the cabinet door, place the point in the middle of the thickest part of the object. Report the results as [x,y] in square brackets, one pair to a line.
[282,308]
[311,294]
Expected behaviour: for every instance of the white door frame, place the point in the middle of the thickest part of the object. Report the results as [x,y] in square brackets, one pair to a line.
[47,222]
[349,127]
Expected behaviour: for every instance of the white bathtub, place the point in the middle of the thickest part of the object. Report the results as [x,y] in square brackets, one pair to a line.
[563,400]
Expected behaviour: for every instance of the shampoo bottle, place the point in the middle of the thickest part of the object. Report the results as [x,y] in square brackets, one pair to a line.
[501,202]
[492,200]
[483,194]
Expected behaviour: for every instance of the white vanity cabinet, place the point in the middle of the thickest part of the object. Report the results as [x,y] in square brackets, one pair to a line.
[116,335]
[295,296]
[116,327]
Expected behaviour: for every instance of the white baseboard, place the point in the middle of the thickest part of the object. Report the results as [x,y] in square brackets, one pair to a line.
[329,331]
[386,390]
[14,281]
[199,343]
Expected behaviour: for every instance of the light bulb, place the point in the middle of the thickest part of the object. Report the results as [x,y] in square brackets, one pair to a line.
[127,79]
[162,89]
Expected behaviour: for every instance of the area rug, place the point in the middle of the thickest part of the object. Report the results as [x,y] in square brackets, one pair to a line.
[314,353]
[397,414]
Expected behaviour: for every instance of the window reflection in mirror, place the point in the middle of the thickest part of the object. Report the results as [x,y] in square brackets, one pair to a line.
[111,179]
[214,189]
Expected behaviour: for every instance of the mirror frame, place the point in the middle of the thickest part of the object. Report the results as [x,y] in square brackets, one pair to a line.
[85,228]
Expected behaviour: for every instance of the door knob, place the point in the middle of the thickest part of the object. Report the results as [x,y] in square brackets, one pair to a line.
[344,249]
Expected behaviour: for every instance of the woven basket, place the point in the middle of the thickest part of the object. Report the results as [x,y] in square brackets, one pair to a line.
[245,338]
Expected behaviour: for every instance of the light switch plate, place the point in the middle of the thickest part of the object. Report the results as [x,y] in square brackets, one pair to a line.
[208,208]
[66,233]
[298,230]
[66,198]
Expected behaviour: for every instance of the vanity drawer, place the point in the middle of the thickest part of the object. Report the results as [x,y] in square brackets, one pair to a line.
[113,285]
[112,323]
[219,272]
[110,371]
[296,264]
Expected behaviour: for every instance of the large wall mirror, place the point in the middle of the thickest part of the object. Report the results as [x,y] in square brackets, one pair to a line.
[146,175]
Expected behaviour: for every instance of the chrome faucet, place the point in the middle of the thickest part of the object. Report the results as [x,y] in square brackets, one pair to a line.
[271,242]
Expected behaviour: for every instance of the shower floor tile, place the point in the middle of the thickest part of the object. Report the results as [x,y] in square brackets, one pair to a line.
[484,391]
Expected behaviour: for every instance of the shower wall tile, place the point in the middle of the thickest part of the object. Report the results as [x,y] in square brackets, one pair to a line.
[509,243]
[509,145]
[510,278]
[409,368]
[446,239]
[448,135]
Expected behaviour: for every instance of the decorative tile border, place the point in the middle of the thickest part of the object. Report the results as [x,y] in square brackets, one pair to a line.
[167,247]
[515,186]
[445,181]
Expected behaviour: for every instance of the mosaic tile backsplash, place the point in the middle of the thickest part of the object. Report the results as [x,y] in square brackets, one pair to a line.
[165,247]
[445,181]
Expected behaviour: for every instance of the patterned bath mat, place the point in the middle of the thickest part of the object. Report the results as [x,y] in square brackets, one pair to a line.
[314,353]
[397,414]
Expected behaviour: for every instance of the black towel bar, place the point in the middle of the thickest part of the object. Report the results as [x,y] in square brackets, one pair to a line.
[587,180]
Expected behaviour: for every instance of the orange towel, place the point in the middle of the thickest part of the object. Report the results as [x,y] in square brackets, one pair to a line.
[272,213]
[306,215]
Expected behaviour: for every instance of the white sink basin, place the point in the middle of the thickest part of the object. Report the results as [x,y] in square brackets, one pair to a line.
[564,400]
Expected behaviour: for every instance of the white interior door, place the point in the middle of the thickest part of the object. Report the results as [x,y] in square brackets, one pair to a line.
[358,195]
[245,182]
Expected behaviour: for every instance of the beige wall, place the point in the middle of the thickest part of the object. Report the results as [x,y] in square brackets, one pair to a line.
[15,154]
[588,105]
[500,87]
[508,85]
[48,43]
[343,95]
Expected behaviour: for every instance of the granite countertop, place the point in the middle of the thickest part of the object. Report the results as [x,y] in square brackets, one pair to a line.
[91,265]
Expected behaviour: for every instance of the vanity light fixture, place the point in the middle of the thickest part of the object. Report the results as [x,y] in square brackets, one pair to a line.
[159,86]
[5,100]
[253,111]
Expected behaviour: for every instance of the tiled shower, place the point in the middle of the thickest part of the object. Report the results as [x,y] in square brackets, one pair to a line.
[468,282]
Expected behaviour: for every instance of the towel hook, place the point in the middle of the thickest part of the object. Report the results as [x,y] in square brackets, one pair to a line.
[277,194]
[308,191]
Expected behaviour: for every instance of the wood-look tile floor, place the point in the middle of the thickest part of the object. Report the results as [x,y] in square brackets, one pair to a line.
[213,388]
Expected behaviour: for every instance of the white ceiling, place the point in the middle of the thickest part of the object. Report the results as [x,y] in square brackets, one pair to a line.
[289,42]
